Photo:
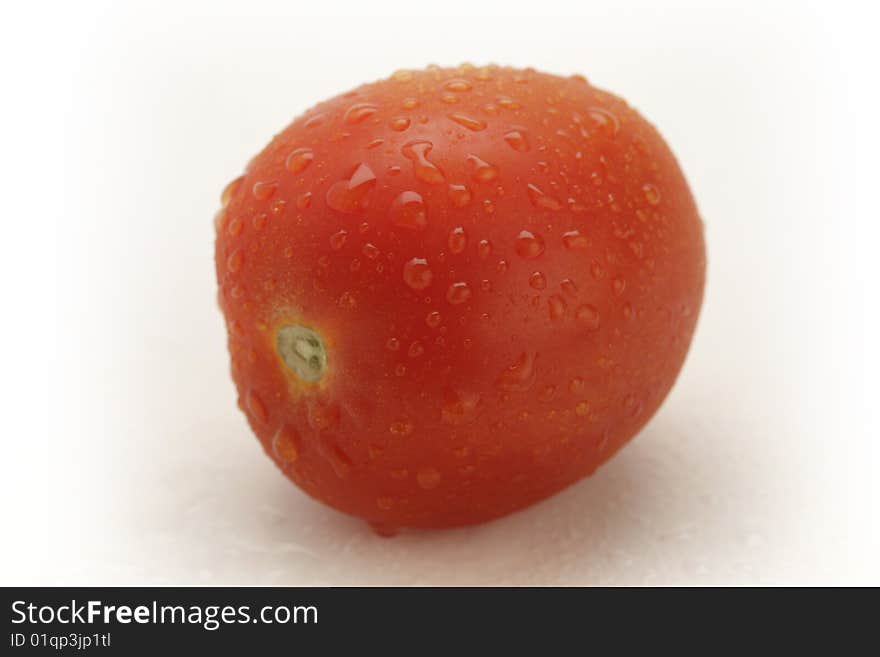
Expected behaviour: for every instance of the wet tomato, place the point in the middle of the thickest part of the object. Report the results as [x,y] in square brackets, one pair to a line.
[454,292]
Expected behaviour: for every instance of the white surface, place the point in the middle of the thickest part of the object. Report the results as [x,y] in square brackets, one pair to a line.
[124,458]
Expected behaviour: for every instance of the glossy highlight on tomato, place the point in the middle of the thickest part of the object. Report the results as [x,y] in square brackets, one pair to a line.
[453,292]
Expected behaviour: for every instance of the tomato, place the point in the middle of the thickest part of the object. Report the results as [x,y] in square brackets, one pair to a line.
[454,292]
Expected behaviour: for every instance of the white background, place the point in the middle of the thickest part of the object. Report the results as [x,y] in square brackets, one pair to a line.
[124,459]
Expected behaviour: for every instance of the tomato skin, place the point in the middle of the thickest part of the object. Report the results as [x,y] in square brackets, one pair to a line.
[504,267]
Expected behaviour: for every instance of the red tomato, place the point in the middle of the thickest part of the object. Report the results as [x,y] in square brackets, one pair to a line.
[454,292]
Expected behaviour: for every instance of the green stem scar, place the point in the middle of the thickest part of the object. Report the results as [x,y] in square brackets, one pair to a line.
[302,351]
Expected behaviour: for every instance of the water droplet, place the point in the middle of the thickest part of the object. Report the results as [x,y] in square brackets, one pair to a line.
[263,191]
[370,250]
[219,216]
[588,316]
[502,266]
[576,207]
[567,285]
[339,461]
[304,200]
[604,121]
[556,307]
[457,239]
[517,140]
[433,319]
[538,281]
[352,196]
[234,261]
[582,408]
[484,248]
[230,190]
[235,328]
[458,85]
[483,74]
[400,123]
[260,220]
[416,349]
[409,103]
[425,170]
[486,285]
[401,427]
[518,376]
[337,239]
[540,200]
[469,122]
[597,271]
[529,245]
[449,99]
[460,195]
[286,444]
[417,274]
[359,112]
[299,160]
[507,102]
[481,171]
[408,211]
[652,194]
[575,240]
[458,293]
[428,478]
[637,408]
[618,286]
[256,407]
[314,121]
[374,144]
